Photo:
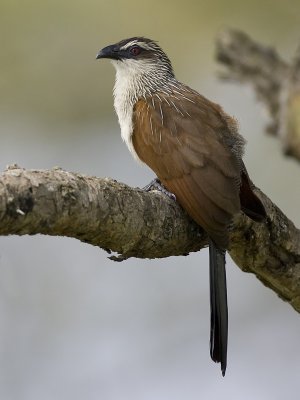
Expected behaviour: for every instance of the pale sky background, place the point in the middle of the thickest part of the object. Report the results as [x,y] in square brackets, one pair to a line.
[75,325]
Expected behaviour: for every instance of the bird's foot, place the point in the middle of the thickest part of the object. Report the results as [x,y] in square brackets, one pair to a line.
[157,185]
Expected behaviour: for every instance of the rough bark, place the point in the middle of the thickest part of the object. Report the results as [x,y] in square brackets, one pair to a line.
[276,83]
[135,223]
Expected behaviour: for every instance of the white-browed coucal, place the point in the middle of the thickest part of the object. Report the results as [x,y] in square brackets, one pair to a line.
[195,150]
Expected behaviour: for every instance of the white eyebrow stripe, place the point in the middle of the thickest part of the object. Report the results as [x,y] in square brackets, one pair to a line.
[137,43]
[127,45]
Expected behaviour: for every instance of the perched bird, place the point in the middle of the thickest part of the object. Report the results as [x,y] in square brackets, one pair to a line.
[195,150]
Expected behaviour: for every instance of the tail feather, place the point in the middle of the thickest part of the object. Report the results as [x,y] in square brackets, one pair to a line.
[218,306]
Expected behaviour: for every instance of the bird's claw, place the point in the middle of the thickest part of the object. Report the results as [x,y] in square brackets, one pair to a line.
[155,184]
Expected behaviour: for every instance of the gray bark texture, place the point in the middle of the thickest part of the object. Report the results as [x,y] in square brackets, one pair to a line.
[135,223]
[276,83]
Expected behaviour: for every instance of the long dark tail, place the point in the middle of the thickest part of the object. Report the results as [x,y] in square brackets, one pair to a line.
[218,306]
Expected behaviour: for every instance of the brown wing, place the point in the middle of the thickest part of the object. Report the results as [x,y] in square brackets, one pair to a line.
[182,138]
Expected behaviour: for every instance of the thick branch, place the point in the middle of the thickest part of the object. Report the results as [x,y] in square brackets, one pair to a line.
[134,223]
[276,83]
[101,212]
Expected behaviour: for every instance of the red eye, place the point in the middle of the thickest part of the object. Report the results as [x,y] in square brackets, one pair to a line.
[135,51]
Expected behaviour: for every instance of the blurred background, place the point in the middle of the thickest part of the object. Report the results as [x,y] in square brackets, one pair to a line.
[75,325]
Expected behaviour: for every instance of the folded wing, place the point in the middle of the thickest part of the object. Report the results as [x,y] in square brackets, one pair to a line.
[185,140]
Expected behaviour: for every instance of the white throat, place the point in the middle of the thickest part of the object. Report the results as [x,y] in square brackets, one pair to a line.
[125,96]
[134,80]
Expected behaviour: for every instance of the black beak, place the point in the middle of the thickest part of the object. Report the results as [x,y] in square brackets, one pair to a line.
[109,52]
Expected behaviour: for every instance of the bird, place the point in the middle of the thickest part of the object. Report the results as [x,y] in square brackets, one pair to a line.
[196,152]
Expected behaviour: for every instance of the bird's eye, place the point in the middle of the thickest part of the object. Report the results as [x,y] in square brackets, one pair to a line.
[135,50]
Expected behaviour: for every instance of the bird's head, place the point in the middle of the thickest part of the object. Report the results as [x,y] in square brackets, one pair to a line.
[137,55]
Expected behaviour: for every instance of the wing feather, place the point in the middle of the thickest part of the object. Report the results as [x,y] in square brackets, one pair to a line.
[183,140]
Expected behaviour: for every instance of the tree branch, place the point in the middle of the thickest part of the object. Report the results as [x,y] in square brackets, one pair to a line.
[101,212]
[135,223]
[276,83]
